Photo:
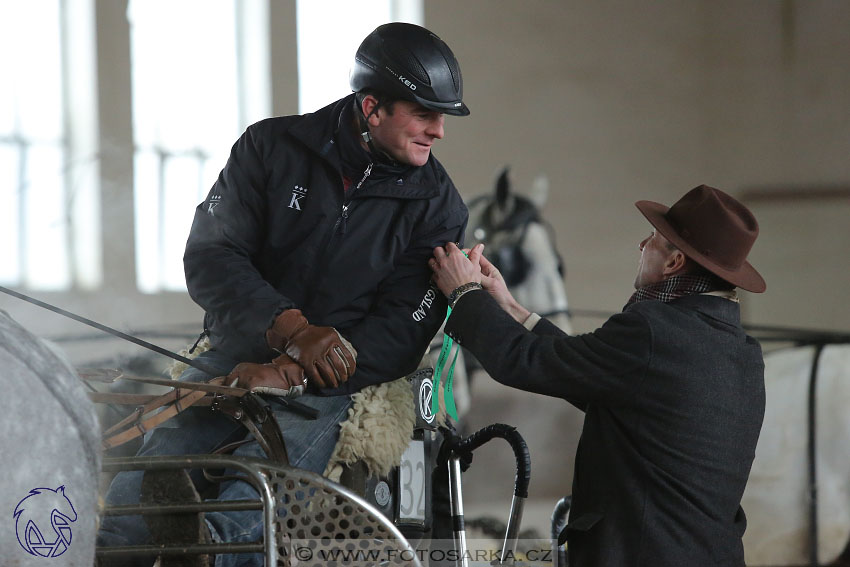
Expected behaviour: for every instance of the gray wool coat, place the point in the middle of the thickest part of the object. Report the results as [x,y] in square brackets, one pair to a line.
[673,395]
[50,454]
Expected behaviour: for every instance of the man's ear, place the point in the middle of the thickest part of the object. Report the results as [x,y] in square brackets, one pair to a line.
[368,107]
[675,264]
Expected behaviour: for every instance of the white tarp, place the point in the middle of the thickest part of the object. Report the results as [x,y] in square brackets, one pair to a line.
[777,497]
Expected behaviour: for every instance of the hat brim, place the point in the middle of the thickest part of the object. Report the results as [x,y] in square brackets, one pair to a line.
[746,277]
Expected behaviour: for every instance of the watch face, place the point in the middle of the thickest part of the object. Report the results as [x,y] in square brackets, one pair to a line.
[382,494]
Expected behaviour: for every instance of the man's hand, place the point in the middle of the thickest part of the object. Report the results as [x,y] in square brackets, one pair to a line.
[282,373]
[452,268]
[326,357]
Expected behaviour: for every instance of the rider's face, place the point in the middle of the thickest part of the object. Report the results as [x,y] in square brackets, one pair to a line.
[408,133]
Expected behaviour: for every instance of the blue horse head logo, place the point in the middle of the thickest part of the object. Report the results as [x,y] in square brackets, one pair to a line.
[36,513]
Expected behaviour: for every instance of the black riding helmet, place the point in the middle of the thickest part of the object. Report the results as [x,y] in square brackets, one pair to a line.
[407,61]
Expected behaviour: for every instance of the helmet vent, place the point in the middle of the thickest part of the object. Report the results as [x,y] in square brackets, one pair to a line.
[408,61]
[451,63]
[455,73]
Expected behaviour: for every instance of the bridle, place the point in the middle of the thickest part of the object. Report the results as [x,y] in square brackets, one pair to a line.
[507,253]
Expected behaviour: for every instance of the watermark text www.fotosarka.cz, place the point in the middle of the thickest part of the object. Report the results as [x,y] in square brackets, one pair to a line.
[365,551]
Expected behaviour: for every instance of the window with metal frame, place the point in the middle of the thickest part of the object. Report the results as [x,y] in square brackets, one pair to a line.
[191,72]
[329,32]
[48,223]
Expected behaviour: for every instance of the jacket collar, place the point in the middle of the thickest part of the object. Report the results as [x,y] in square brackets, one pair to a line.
[317,131]
[719,308]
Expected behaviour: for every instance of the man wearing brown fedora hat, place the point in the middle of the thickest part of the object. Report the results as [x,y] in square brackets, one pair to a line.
[672,388]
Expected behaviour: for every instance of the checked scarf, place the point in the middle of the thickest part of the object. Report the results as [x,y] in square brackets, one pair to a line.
[679,286]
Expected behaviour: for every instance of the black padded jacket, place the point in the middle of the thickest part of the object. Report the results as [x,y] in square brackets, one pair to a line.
[278,231]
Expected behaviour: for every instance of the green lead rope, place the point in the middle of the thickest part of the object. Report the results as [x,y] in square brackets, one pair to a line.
[448,392]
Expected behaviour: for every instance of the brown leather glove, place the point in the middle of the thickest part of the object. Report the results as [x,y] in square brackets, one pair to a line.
[326,357]
[280,376]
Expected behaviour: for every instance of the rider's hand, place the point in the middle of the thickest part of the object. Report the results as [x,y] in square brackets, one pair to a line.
[282,373]
[326,357]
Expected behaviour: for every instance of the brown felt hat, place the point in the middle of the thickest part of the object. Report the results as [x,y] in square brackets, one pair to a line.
[714,230]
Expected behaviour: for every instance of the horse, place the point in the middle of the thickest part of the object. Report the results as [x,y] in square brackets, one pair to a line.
[521,244]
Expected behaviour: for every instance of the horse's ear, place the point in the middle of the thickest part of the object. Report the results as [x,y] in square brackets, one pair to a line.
[503,188]
[539,190]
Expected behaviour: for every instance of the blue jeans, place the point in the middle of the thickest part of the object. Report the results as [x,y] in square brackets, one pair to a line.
[309,444]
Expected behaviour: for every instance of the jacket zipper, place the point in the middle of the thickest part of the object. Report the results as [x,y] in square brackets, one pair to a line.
[342,219]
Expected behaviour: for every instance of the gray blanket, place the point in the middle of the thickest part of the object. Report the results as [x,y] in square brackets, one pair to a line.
[49,452]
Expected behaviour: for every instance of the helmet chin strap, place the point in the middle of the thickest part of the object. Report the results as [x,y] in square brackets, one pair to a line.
[363,122]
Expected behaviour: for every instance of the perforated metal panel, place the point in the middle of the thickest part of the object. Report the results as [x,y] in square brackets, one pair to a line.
[322,523]
[311,520]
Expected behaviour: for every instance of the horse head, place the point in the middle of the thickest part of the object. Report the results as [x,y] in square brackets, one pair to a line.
[501,221]
[521,244]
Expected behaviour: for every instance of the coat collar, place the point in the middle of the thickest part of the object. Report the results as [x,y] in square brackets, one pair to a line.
[719,308]
[317,131]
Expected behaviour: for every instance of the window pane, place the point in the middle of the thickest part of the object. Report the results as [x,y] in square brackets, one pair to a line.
[185,116]
[31,53]
[45,223]
[323,65]
[32,147]
[180,174]
[146,206]
[10,272]
[8,109]
[85,231]
[184,73]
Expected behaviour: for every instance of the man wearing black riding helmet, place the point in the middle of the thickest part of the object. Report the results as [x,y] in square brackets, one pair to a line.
[309,257]
[398,61]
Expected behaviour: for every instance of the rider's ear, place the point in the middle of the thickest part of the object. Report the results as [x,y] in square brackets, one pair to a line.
[367,105]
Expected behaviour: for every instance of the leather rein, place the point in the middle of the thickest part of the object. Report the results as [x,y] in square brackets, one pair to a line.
[152,410]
